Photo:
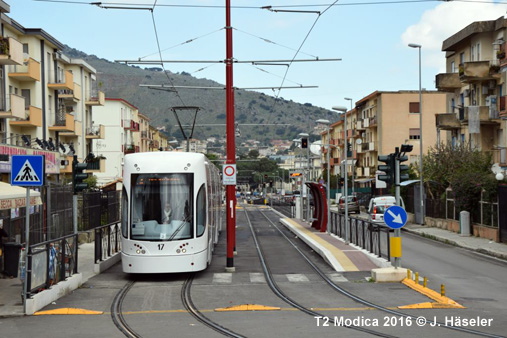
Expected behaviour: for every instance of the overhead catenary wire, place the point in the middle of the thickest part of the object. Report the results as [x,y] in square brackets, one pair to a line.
[367,3]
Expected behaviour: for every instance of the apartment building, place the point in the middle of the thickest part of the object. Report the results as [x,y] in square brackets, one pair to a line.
[46,99]
[144,131]
[120,120]
[377,124]
[474,84]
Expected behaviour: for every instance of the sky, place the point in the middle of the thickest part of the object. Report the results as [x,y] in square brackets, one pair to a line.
[370,37]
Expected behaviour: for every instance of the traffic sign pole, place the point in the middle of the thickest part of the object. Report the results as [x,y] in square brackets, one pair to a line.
[397,232]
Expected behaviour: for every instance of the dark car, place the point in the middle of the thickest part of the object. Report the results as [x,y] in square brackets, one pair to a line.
[353,205]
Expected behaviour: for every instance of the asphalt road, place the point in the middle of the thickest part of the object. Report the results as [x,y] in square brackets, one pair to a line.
[470,278]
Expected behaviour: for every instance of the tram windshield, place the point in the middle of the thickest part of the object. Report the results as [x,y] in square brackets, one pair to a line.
[162,207]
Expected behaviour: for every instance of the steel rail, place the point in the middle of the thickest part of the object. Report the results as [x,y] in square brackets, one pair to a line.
[186,299]
[274,287]
[367,303]
[116,312]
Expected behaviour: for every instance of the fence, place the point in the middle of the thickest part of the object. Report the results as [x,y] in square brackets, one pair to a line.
[107,241]
[99,208]
[50,262]
[363,233]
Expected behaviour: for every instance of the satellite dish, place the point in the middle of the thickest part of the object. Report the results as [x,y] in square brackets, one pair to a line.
[315,148]
[496,169]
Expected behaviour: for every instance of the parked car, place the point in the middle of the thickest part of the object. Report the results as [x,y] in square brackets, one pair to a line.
[378,206]
[353,205]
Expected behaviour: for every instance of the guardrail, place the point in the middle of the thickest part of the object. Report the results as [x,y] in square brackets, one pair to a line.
[107,241]
[50,262]
[363,233]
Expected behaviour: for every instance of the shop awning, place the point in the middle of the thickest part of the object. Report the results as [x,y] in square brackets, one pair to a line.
[12,197]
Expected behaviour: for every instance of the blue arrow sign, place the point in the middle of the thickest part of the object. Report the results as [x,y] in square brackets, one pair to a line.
[27,170]
[395,217]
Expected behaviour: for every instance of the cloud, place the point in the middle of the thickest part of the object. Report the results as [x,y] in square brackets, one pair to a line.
[443,21]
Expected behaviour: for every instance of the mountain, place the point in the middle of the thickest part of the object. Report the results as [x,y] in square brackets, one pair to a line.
[252,109]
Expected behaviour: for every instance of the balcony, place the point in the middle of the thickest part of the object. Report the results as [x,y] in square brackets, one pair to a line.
[360,126]
[127,124]
[65,82]
[129,149]
[70,96]
[144,135]
[96,132]
[78,130]
[486,116]
[447,121]
[14,107]
[478,71]
[134,126]
[96,98]
[97,166]
[373,121]
[33,118]
[448,82]
[11,52]
[27,72]
[63,122]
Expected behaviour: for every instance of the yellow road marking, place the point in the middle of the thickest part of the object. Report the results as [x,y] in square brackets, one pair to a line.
[442,302]
[68,311]
[248,307]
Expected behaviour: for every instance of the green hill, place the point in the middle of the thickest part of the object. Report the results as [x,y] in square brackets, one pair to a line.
[252,109]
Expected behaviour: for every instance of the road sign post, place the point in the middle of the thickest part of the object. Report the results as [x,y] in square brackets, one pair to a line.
[27,171]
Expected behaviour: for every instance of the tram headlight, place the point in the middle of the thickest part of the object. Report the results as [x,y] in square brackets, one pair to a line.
[184,250]
[138,251]
[178,250]
[143,252]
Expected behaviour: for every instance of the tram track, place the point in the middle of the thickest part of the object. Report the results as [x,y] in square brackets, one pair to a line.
[368,303]
[186,299]
[277,291]
[117,314]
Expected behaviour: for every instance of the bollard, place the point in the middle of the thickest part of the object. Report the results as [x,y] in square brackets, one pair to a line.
[417,277]
[425,283]
[442,290]
[409,274]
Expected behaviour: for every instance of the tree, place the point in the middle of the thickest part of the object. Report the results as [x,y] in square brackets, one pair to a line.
[253,153]
[465,170]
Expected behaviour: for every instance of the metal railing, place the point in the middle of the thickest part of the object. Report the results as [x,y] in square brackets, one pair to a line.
[51,262]
[107,241]
[365,234]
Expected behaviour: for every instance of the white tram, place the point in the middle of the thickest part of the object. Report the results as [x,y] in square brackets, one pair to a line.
[171,212]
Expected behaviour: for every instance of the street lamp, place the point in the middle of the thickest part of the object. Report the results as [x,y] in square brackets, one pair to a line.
[421,192]
[351,148]
[346,193]
[328,188]
[303,187]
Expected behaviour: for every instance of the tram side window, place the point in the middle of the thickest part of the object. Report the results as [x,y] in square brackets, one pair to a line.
[124,213]
[201,211]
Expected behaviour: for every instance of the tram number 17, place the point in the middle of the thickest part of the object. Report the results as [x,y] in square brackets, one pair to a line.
[161,246]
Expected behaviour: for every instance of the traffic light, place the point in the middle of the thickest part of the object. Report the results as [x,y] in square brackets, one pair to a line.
[403,168]
[78,176]
[304,143]
[342,181]
[388,168]
[349,149]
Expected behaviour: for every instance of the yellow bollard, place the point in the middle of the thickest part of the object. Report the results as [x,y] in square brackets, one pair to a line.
[425,282]
[417,277]
[409,274]
[442,290]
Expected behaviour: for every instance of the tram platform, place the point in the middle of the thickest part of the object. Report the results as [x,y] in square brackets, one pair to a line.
[340,255]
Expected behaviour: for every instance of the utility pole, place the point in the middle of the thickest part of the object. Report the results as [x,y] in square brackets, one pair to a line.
[231,141]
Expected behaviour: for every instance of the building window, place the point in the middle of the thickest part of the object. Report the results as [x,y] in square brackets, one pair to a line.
[413,107]
[462,58]
[414,133]
[25,49]
[453,67]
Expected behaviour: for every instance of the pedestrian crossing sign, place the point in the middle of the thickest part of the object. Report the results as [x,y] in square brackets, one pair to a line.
[27,170]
